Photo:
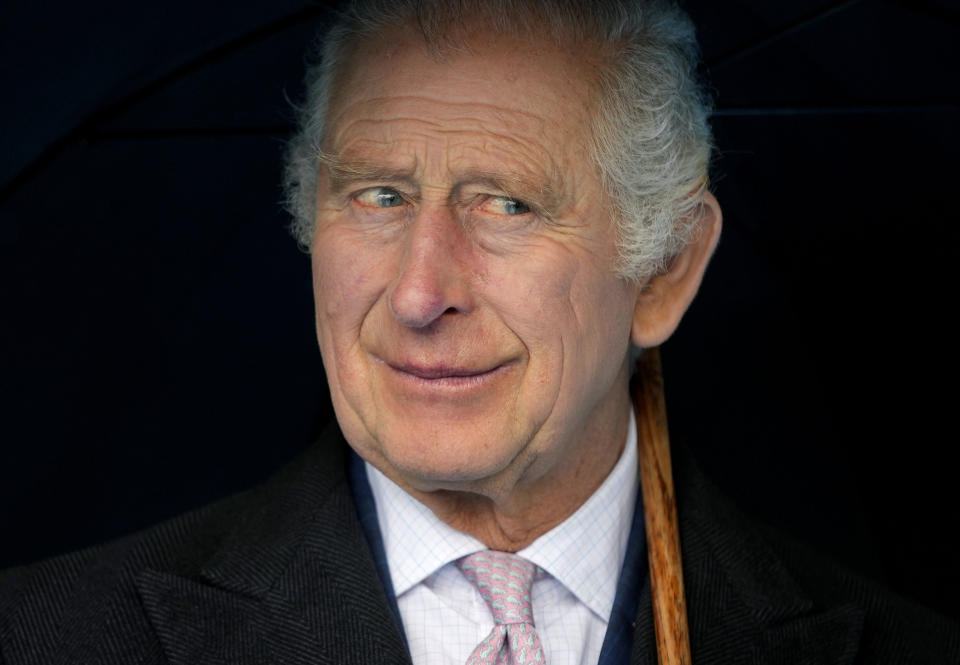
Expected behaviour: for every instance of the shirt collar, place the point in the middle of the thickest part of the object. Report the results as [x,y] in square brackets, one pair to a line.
[417,543]
[584,552]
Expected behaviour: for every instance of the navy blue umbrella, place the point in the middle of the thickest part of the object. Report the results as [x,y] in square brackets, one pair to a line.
[156,325]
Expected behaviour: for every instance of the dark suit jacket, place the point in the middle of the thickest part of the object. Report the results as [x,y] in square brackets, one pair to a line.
[284,574]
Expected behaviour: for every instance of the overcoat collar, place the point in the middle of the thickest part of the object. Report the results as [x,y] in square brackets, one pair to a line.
[743,605]
[294,582]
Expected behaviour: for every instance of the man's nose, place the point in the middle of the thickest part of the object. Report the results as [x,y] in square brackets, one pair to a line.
[434,275]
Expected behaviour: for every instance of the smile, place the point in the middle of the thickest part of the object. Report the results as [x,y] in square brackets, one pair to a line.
[446,377]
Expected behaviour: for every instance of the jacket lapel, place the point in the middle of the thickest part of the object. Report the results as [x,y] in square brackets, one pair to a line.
[743,605]
[292,582]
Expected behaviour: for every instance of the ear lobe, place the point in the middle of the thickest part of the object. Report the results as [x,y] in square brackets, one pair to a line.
[663,301]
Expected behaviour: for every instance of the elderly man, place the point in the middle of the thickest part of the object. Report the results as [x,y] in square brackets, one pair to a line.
[500,199]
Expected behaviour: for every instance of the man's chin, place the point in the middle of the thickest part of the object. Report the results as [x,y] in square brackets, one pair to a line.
[428,465]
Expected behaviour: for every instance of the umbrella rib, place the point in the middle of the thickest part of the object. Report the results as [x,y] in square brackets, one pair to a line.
[87,125]
[857,109]
[781,32]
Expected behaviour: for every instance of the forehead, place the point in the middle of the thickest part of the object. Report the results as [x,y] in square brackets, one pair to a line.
[510,89]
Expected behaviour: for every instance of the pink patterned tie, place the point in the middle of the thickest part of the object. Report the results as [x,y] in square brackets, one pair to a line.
[504,581]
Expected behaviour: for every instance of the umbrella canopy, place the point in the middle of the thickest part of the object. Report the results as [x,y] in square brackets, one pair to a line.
[157,328]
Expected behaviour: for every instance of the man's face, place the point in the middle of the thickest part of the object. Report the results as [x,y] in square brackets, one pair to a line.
[472,326]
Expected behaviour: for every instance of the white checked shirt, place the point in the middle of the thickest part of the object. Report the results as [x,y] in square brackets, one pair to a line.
[444,616]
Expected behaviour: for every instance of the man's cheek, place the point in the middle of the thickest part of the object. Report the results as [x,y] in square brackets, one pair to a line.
[346,287]
[539,293]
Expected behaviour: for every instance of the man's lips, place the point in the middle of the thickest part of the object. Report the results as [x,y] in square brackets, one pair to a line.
[440,371]
[445,377]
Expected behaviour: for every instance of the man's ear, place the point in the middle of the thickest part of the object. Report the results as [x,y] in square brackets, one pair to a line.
[662,302]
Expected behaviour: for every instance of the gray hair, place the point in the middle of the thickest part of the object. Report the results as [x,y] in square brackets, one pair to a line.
[650,137]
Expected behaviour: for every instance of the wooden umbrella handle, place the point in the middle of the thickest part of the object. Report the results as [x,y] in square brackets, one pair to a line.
[660,513]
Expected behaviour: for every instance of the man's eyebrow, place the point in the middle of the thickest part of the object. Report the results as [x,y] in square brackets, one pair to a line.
[343,172]
[544,192]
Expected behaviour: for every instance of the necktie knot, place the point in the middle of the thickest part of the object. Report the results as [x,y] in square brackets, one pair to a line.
[504,580]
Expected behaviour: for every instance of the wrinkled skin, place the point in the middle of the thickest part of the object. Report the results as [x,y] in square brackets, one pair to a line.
[473,329]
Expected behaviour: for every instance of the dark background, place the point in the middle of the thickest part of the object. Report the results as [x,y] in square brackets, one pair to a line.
[156,332]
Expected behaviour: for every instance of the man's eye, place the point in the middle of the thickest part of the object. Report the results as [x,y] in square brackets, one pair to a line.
[502,205]
[380,197]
